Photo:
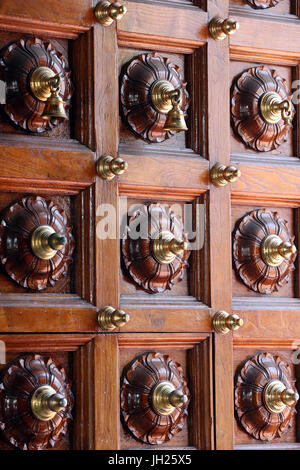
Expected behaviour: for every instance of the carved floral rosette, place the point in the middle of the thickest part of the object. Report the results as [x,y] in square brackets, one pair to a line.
[137,384]
[17,62]
[247,120]
[136,83]
[140,263]
[18,382]
[251,411]
[16,226]
[248,237]
[262,4]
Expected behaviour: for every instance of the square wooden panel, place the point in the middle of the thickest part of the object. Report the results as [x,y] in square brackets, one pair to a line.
[286,149]
[194,281]
[241,354]
[176,142]
[193,352]
[289,289]
[62,131]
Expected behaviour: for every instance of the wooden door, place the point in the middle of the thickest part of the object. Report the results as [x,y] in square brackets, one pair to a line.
[170,333]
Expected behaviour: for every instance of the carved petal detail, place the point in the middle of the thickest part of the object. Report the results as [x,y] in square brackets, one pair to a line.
[144,269]
[16,227]
[262,4]
[137,108]
[251,411]
[247,120]
[248,262]
[17,62]
[137,383]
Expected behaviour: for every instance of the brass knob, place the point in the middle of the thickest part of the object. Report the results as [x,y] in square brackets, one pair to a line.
[274,251]
[221,175]
[277,396]
[109,167]
[166,247]
[167,100]
[223,322]
[106,12]
[46,402]
[45,242]
[273,108]
[219,29]
[45,86]
[109,318]
[165,398]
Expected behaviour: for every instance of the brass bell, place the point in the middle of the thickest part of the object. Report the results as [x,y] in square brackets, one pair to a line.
[55,107]
[175,118]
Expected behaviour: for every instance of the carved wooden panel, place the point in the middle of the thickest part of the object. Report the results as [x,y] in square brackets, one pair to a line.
[18,423]
[139,385]
[249,242]
[252,402]
[17,63]
[138,109]
[140,261]
[17,225]
[248,122]
[262,4]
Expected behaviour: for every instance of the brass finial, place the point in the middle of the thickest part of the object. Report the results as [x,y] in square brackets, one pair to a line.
[106,12]
[165,398]
[45,242]
[273,108]
[220,29]
[109,167]
[167,100]
[166,247]
[277,396]
[274,250]
[223,322]
[221,175]
[46,402]
[109,318]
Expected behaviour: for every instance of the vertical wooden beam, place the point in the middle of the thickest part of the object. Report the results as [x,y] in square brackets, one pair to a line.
[220,227]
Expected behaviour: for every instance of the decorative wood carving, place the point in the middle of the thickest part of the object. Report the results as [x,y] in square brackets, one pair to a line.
[247,119]
[17,63]
[138,254]
[252,413]
[17,225]
[259,4]
[18,383]
[137,106]
[139,382]
[248,240]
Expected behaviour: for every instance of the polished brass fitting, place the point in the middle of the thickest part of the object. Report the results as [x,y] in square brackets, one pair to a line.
[221,175]
[109,167]
[274,251]
[106,12]
[109,318]
[165,398]
[166,247]
[46,402]
[223,322]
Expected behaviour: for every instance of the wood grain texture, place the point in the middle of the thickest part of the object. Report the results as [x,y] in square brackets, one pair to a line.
[219,212]
[190,25]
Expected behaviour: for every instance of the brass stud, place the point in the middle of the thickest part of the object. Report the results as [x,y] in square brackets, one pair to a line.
[167,100]
[45,86]
[165,398]
[46,403]
[223,322]
[45,242]
[221,175]
[108,167]
[273,108]
[277,396]
[106,12]
[109,318]
[274,251]
[220,29]
[166,247]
